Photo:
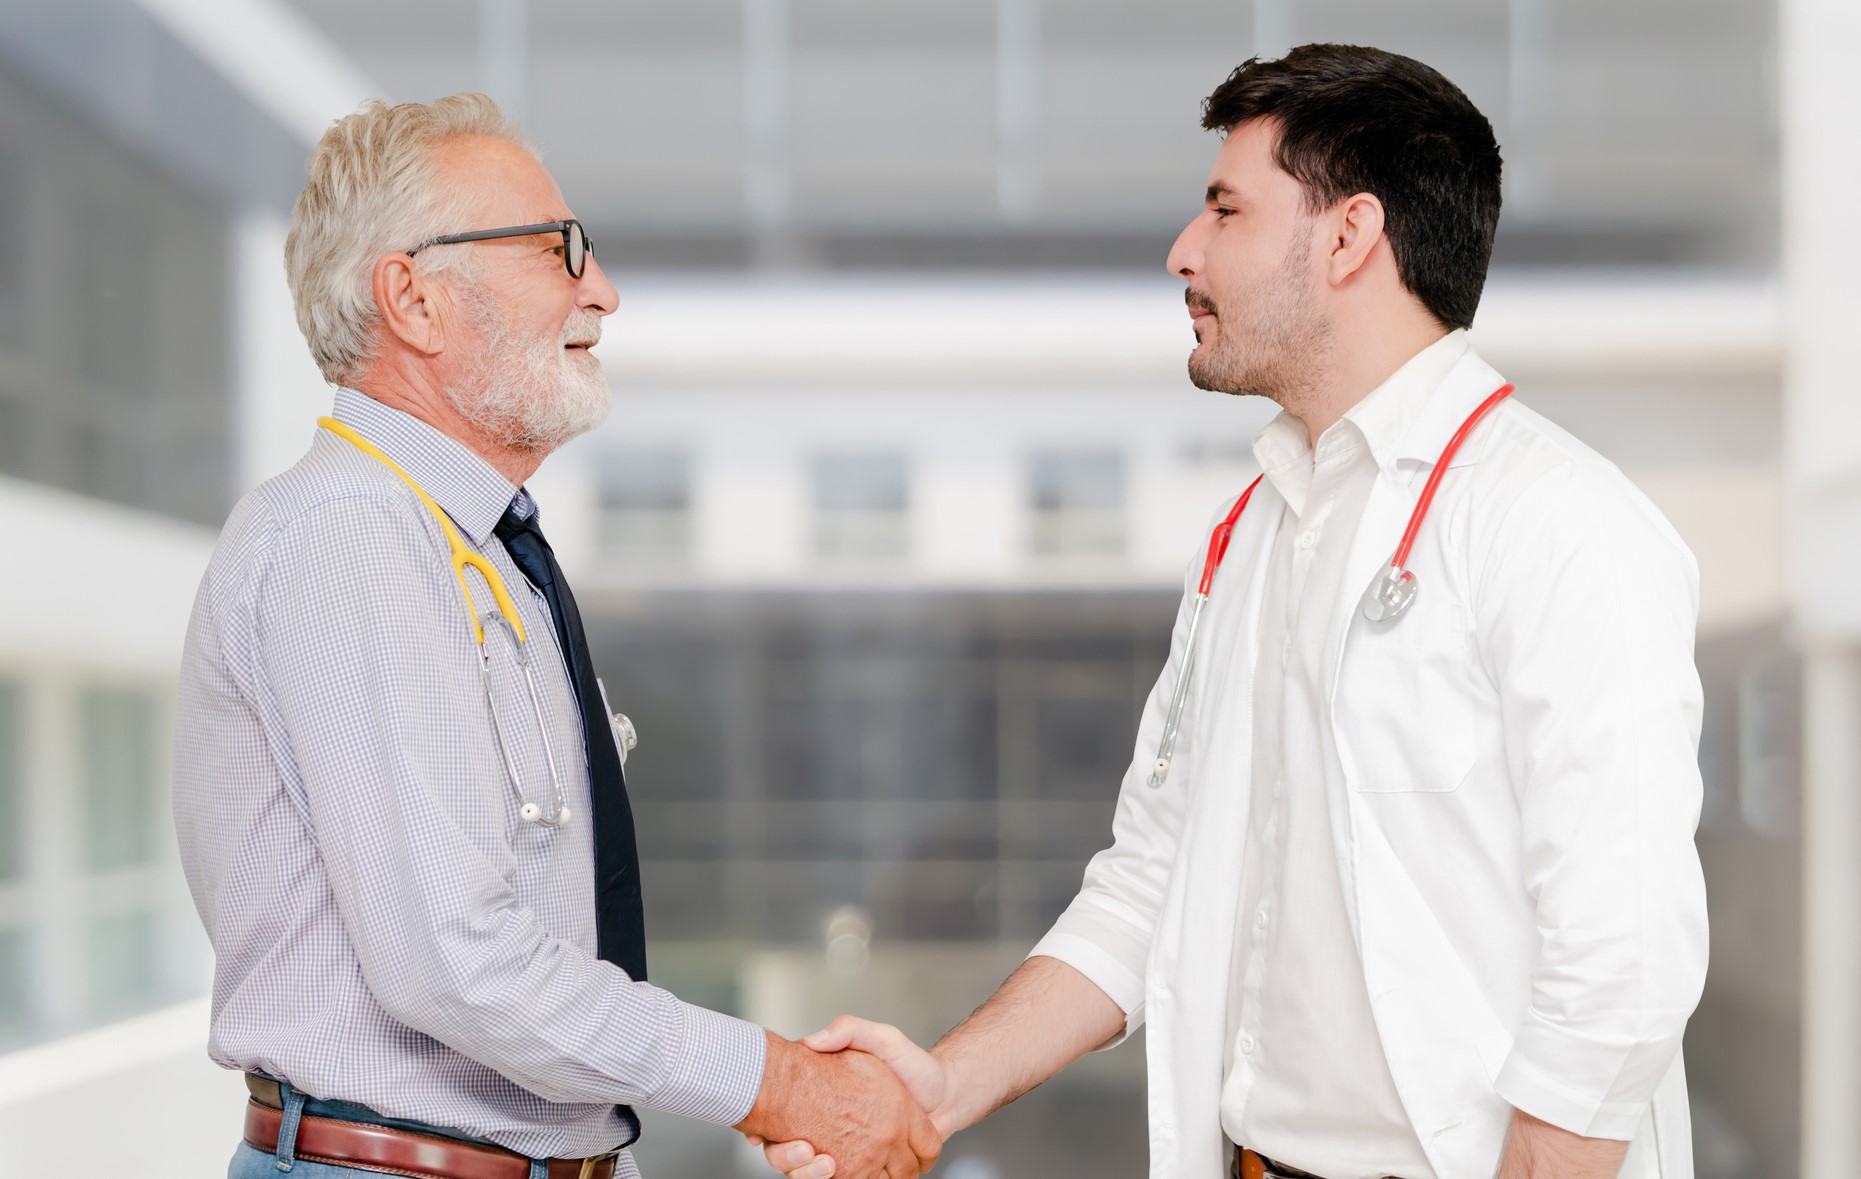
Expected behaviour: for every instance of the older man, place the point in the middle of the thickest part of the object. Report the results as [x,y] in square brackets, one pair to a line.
[398,790]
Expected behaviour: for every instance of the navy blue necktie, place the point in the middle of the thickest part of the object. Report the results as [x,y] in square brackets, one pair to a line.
[619,918]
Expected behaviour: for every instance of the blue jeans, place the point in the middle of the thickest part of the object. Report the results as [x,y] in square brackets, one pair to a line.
[248,1162]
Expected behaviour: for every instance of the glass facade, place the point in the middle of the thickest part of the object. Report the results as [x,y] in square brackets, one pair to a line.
[114,358]
[12,773]
[645,501]
[862,504]
[945,763]
[119,778]
[1077,499]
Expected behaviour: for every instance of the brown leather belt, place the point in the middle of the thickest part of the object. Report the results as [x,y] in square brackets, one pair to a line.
[403,1152]
[1250,1164]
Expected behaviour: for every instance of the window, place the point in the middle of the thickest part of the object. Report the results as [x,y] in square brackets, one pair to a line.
[1076,501]
[114,375]
[15,996]
[119,779]
[121,953]
[646,505]
[12,768]
[861,505]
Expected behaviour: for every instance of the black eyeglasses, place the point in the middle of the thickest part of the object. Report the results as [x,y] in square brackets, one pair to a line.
[576,245]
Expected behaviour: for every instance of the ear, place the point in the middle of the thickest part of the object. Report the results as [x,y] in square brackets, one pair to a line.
[414,309]
[1357,229]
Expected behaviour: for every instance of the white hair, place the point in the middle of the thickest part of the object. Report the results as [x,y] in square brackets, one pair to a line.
[373,190]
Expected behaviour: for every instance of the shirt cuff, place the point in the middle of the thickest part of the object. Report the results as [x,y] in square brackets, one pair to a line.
[717,1067]
[1536,1078]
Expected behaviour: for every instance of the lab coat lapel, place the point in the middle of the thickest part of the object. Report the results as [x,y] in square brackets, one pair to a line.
[1379,530]
[1186,989]
[1401,474]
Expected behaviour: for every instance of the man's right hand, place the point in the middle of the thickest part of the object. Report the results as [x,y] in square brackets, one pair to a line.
[927,1079]
[847,1104]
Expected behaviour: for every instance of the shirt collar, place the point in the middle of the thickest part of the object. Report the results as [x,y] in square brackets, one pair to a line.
[1387,416]
[1390,420]
[465,486]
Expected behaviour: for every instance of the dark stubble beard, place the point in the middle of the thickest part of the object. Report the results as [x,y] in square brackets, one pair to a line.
[1270,340]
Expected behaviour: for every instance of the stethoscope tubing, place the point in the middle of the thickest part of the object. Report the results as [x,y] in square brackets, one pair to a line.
[1396,583]
[505,618]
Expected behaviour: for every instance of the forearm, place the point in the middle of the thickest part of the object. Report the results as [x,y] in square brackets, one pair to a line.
[1045,1016]
[1536,1149]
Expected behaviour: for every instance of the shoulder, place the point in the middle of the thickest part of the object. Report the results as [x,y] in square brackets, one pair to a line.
[1539,493]
[335,505]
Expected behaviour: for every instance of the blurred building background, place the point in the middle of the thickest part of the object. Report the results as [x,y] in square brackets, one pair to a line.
[881,543]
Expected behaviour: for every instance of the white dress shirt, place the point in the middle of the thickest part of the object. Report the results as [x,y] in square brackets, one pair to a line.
[1307,1082]
[1510,787]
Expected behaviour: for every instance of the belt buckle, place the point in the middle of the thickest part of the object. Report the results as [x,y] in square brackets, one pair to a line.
[595,1160]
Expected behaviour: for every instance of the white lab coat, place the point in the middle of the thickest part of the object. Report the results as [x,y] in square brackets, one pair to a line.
[1512,780]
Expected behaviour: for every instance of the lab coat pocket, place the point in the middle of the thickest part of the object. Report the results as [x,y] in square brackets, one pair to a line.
[1404,708]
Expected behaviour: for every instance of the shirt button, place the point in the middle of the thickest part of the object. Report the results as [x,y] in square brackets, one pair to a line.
[1247,1044]
[1308,538]
[1260,919]
[1276,789]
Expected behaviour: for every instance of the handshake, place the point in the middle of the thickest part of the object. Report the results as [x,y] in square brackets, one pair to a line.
[858,1100]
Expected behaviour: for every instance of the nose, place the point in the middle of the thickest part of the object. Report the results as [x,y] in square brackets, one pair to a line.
[1185,258]
[594,291]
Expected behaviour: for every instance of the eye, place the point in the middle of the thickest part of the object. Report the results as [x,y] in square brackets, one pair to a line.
[1222,214]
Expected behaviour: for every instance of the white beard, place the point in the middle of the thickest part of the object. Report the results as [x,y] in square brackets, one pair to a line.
[533,395]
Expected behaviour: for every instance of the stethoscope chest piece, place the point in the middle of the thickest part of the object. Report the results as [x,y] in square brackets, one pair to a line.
[1390,594]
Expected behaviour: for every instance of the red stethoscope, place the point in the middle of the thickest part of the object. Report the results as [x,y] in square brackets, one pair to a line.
[1388,596]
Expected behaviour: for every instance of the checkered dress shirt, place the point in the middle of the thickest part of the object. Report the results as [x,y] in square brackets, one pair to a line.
[387,930]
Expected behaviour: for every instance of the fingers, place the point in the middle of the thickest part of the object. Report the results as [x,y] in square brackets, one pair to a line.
[880,1039]
[925,1142]
[797,1160]
[904,1163]
[836,1036]
[788,1156]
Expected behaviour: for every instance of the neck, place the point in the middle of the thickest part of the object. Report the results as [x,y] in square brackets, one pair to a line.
[1350,374]
[419,392]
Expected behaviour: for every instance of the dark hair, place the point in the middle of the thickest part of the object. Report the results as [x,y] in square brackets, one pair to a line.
[1353,119]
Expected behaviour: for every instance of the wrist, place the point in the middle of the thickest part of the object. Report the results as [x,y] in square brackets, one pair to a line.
[964,1102]
[781,1070]
[1535,1148]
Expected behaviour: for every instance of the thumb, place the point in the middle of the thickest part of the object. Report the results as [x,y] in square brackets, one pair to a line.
[897,1050]
[841,1034]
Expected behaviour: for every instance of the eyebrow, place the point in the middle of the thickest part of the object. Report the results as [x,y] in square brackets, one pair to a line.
[1219,193]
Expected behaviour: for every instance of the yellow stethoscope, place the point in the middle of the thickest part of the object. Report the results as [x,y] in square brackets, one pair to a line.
[1388,596]
[503,620]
